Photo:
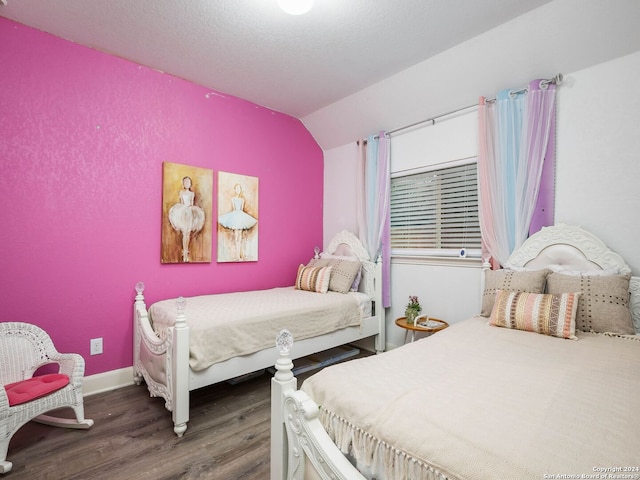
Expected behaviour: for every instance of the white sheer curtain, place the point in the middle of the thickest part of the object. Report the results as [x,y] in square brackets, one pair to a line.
[374,190]
[513,144]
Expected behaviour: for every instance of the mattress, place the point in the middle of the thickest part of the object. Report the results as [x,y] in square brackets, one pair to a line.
[233,324]
[480,402]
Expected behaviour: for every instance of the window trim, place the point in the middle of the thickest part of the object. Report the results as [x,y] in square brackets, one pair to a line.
[426,254]
[436,166]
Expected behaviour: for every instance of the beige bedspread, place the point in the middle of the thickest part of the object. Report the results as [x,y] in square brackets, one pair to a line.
[481,402]
[232,324]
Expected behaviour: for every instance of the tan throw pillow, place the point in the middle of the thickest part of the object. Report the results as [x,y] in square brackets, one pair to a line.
[313,279]
[343,272]
[547,314]
[604,304]
[516,281]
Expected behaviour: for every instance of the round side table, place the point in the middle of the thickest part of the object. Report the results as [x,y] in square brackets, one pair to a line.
[412,329]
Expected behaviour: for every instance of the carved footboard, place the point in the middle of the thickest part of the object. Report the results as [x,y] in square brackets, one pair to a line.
[163,363]
[300,447]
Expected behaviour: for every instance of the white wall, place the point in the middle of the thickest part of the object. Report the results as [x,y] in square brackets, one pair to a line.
[560,36]
[340,166]
[598,151]
[598,176]
[447,288]
[450,138]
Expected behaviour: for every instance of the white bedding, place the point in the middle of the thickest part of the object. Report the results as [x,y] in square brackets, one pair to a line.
[481,402]
[232,324]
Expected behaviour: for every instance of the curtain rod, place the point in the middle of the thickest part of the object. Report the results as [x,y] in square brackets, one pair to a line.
[432,119]
[557,80]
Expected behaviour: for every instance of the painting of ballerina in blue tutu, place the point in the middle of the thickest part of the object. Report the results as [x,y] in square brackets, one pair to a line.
[237,218]
[186,231]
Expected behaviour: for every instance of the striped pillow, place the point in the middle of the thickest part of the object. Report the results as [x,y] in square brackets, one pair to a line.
[313,279]
[548,314]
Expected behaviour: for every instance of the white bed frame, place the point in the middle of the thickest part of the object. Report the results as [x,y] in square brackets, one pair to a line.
[164,363]
[301,448]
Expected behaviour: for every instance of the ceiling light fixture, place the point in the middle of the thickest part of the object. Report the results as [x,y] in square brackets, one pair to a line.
[295,7]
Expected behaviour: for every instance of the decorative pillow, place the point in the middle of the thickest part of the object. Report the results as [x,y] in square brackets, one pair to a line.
[547,314]
[356,281]
[532,281]
[604,304]
[313,279]
[343,272]
[35,387]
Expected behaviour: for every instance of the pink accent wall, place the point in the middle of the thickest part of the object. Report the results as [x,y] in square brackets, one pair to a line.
[83,136]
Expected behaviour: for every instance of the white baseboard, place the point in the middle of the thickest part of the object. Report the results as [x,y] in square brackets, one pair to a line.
[106,381]
[103,382]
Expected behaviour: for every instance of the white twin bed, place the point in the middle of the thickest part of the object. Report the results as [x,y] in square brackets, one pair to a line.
[184,344]
[520,393]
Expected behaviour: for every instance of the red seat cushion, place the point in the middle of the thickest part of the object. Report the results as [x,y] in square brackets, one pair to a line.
[36,387]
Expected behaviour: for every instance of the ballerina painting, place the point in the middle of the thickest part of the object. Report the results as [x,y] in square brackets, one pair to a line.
[237,218]
[186,231]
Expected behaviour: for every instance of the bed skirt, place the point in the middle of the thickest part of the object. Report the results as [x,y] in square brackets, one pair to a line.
[380,460]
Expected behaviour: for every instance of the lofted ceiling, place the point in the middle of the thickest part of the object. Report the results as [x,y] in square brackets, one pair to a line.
[252,50]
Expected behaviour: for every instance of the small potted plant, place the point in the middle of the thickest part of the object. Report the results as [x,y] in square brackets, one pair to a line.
[413,310]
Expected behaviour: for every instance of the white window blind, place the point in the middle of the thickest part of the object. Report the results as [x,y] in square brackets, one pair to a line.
[435,211]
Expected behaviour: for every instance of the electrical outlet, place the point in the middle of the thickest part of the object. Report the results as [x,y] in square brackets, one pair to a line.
[96,346]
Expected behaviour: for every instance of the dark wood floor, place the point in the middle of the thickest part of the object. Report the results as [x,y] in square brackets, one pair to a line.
[132,438]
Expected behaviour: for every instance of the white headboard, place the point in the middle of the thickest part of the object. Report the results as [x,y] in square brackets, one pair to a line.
[347,244]
[569,247]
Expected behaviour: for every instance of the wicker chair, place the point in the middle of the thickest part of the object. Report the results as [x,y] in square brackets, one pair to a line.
[23,349]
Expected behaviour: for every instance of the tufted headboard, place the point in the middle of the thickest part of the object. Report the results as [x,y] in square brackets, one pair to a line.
[564,247]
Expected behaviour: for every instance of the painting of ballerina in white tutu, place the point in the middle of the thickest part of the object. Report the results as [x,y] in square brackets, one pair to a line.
[186,225]
[237,218]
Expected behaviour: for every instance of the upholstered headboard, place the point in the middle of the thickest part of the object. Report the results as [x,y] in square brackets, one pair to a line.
[347,244]
[567,248]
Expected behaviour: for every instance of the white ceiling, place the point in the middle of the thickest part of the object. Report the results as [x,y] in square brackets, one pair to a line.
[250,49]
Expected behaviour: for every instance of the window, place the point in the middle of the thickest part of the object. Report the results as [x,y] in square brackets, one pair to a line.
[435,211]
